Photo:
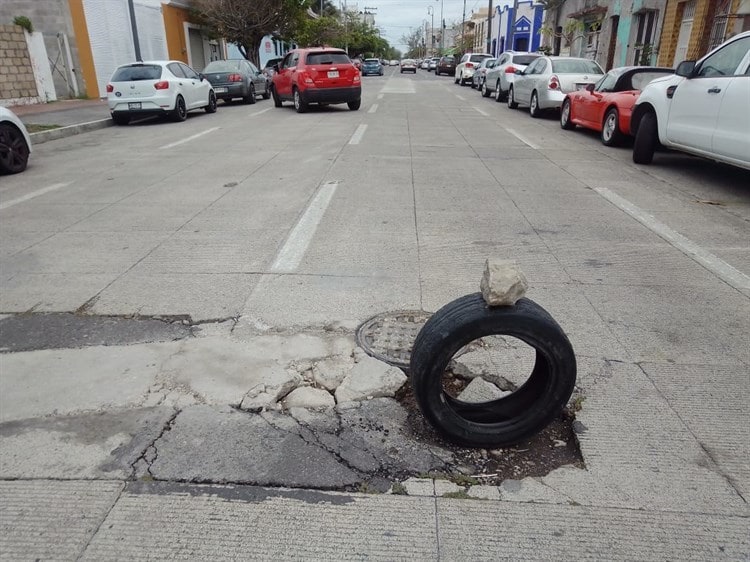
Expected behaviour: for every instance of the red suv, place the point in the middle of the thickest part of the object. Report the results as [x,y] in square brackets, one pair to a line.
[321,75]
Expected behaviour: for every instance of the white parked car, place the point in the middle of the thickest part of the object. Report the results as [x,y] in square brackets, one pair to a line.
[15,144]
[467,66]
[502,75]
[546,81]
[169,88]
[703,109]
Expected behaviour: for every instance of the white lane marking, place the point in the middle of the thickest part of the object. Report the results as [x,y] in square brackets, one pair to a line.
[188,139]
[259,112]
[461,97]
[32,194]
[380,96]
[291,254]
[358,134]
[714,264]
[482,112]
[374,108]
[523,139]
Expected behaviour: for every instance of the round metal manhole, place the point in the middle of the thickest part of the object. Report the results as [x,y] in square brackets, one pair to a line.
[390,336]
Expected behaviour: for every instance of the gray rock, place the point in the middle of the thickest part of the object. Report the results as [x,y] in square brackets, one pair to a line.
[443,487]
[331,372]
[310,398]
[419,486]
[370,378]
[479,390]
[278,383]
[503,282]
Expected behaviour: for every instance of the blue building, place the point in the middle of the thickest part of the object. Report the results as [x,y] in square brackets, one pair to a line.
[524,26]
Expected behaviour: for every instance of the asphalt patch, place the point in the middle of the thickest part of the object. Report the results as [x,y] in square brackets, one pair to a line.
[29,332]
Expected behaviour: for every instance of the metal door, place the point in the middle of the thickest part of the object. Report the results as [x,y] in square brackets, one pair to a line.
[686,28]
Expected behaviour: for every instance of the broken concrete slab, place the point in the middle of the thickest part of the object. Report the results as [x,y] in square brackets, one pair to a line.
[479,390]
[530,490]
[443,487]
[483,492]
[504,361]
[241,447]
[503,282]
[419,486]
[370,378]
[276,383]
[309,398]
[100,445]
[330,373]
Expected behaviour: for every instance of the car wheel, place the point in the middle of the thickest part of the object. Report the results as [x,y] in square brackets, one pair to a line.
[355,105]
[250,97]
[498,92]
[211,107]
[276,98]
[179,113]
[14,152]
[534,110]
[611,135]
[267,92]
[514,417]
[120,119]
[455,80]
[646,139]
[299,105]
[565,121]
[511,99]
[486,92]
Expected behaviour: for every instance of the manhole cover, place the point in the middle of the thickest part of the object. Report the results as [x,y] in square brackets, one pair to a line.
[390,336]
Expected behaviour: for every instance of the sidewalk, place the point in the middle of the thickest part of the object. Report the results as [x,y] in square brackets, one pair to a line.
[71,117]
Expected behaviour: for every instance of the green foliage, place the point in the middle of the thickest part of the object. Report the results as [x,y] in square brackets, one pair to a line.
[398,489]
[321,31]
[24,22]
[647,52]
[460,495]
[344,32]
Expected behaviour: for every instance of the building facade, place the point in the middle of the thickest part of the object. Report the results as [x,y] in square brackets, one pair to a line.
[517,31]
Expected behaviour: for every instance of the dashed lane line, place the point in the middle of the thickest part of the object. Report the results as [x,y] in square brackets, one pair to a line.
[373,109]
[523,139]
[190,138]
[32,194]
[358,134]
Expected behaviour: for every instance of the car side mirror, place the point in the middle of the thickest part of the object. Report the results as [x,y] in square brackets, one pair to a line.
[685,68]
[590,87]
[518,73]
[200,75]
[275,67]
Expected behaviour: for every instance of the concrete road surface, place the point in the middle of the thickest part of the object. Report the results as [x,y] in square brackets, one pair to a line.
[270,236]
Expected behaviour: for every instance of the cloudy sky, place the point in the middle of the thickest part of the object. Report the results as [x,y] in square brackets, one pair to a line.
[397,18]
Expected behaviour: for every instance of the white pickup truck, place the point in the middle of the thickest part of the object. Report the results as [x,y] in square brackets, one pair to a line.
[703,109]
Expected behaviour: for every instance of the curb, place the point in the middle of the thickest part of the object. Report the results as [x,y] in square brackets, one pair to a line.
[70,130]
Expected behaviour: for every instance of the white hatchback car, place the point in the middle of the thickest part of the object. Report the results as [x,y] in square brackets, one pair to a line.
[467,66]
[15,144]
[703,109]
[169,88]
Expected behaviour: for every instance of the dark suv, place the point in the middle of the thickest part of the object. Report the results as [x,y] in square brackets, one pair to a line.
[317,75]
[446,65]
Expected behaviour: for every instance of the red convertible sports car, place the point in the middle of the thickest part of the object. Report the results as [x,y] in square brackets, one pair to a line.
[606,105]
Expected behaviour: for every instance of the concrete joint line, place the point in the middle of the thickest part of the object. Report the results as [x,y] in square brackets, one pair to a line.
[712,263]
[166,427]
[291,254]
[94,532]
[37,193]
[358,134]
[190,138]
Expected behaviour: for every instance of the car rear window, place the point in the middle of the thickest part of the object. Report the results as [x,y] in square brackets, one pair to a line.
[524,59]
[448,60]
[372,61]
[222,66]
[327,58]
[137,72]
[576,67]
[639,80]
[478,58]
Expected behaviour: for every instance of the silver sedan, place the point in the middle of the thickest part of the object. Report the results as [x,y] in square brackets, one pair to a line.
[546,81]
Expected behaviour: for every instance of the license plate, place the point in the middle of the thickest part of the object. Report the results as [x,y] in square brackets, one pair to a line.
[220,90]
[581,86]
[134,105]
[333,74]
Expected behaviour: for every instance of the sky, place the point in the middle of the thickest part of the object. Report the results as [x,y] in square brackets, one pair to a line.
[396,18]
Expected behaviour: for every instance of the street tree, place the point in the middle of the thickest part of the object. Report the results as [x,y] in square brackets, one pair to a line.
[245,23]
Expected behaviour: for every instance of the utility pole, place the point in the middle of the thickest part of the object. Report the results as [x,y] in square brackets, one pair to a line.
[489,28]
[442,28]
[511,38]
[431,13]
[463,28]
[134,27]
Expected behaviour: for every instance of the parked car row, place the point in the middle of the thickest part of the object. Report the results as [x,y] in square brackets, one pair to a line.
[702,108]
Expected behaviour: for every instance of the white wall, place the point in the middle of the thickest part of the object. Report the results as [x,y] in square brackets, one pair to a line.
[42,74]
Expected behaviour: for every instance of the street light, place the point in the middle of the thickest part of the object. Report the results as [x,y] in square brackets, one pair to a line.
[431,13]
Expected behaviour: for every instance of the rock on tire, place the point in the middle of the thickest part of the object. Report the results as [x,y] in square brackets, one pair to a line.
[507,420]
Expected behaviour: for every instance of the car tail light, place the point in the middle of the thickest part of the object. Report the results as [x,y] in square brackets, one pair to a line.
[554,83]
[163,85]
[110,88]
[510,70]
[235,78]
[356,77]
[469,65]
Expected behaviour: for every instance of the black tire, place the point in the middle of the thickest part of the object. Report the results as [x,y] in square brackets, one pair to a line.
[486,92]
[511,99]
[646,140]
[565,121]
[299,105]
[510,419]
[14,152]
[455,80]
[267,92]
[276,98]
[534,110]
[355,105]
[250,97]
[120,119]
[611,134]
[179,113]
[211,107]
[498,93]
